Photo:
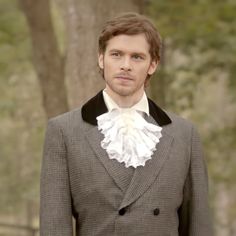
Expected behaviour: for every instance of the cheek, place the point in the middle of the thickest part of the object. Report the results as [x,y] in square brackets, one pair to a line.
[109,67]
[143,71]
[108,71]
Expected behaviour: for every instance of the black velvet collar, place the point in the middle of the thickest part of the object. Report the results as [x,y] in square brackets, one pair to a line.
[96,106]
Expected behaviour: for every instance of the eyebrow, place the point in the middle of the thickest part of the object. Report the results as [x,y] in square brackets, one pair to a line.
[133,53]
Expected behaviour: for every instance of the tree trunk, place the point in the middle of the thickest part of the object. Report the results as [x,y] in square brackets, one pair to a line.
[46,57]
[84,21]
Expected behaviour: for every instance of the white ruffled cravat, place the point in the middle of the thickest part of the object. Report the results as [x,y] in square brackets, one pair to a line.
[128,137]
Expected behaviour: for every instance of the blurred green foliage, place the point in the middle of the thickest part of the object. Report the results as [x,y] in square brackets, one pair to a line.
[14,40]
[205,25]
[21,114]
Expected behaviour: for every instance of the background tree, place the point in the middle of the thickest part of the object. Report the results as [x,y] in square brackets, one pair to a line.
[48,62]
[82,21]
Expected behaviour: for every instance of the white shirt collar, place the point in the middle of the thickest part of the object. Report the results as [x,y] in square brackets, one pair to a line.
[141,105]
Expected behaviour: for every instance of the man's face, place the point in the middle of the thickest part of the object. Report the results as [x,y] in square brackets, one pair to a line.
[126,64]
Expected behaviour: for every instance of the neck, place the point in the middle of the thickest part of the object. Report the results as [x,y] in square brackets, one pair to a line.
[125,101]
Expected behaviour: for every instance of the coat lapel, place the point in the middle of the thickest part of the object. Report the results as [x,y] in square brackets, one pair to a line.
[144,176]
[132,182]
[121,175]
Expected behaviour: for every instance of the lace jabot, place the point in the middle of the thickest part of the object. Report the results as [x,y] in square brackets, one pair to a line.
[128,137]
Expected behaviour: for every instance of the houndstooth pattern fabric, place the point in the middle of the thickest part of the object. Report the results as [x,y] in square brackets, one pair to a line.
[166,197]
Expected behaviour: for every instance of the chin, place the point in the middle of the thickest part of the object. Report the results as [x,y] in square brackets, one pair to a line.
[124,92]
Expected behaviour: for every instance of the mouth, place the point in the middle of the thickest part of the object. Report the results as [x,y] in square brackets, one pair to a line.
[123,77]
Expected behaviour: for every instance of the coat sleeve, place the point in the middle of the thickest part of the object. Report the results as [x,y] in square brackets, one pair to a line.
[55,197]
[194,213]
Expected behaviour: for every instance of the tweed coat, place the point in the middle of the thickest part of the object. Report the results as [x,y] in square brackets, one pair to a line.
[166,197]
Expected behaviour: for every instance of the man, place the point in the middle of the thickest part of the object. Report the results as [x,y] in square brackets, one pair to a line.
[121,165]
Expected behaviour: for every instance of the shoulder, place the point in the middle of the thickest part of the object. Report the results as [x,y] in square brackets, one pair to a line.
[66,120]
[179,121]
[180,127]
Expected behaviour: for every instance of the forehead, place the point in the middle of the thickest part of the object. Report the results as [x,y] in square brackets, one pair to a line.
[129,43]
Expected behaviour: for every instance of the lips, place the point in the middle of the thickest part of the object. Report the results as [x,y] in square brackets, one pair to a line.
[123,77]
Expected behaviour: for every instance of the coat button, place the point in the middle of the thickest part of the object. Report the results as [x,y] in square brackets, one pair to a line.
[122,211]
[156,211]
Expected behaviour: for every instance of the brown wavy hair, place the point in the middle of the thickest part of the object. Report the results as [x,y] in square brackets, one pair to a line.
[131,24]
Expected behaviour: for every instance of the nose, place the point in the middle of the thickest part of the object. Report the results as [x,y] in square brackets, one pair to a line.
[125,64]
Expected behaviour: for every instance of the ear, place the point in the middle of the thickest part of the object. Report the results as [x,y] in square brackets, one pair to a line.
[153,66]
[100,61]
